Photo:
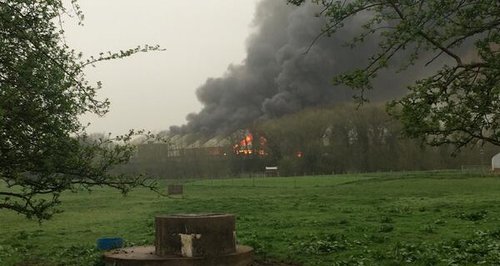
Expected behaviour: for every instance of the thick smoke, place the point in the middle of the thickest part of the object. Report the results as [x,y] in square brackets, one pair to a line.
[278,77]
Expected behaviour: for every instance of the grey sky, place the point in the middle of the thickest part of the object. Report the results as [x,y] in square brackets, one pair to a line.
[155,90]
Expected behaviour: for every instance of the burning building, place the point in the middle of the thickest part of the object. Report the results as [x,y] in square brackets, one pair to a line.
[191,155]
[248,145]
[240,143]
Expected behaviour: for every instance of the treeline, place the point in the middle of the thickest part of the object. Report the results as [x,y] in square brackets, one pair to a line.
[350,139]
[341,139]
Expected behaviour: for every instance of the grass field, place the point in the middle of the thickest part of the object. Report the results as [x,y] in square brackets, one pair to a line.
[426,218]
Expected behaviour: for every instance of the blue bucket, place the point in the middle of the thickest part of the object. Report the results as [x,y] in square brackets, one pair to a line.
[107,243]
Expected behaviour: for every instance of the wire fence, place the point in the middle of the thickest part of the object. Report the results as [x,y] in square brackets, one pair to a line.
[469,171]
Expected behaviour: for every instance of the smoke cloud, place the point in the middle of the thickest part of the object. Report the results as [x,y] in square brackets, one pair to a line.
[278,77]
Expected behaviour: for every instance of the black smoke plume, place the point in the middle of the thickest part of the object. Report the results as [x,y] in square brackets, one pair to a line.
[278,77]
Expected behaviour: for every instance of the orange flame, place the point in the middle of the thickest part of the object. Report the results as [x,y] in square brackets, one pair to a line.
[246,147]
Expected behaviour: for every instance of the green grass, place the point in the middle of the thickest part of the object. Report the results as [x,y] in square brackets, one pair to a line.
[418,218]
[283,182]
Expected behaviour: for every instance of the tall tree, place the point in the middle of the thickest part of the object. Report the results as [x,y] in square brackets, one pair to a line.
[43,147]
[457,104]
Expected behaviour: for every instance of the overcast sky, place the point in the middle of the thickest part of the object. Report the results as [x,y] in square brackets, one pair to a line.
[155,90]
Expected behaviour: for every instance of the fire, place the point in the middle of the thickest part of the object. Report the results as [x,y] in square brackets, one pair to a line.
[245,145]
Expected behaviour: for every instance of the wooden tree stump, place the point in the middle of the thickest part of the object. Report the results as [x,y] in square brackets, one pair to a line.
[195,235]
